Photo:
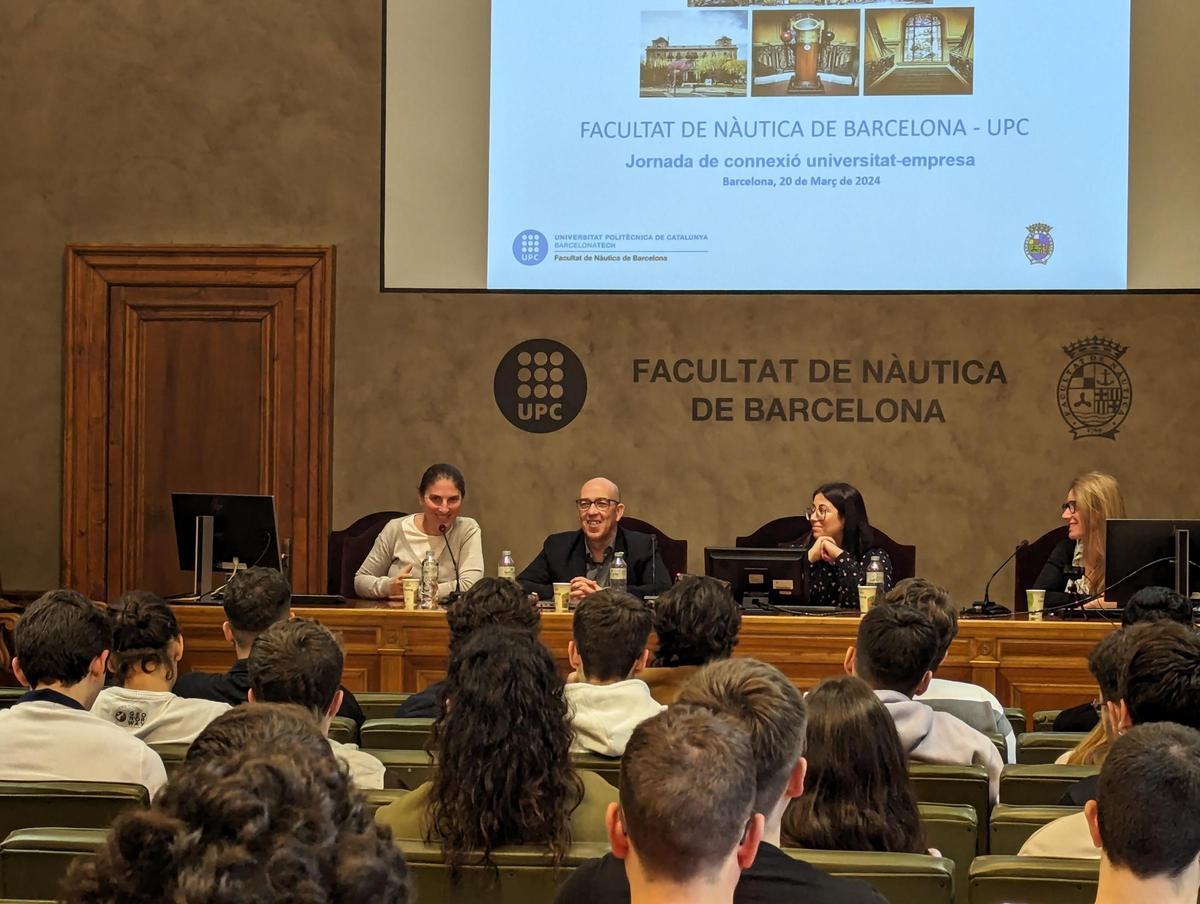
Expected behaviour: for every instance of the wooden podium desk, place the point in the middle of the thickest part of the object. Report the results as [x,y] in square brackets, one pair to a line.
[1034,665]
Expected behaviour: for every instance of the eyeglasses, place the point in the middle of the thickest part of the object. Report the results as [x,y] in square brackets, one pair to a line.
[1069,506]
[820,512]
[602,505]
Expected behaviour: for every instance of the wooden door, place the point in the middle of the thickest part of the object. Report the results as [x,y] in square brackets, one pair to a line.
[195,370]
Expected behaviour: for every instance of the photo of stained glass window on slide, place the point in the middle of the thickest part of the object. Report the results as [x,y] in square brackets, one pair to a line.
[920,52]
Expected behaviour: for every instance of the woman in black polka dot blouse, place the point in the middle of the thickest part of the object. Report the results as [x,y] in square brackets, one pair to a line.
[842,547]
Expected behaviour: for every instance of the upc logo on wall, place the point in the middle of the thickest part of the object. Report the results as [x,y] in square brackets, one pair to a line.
[540,385]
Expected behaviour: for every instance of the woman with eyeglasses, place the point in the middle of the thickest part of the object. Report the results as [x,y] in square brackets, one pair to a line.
[1076,565]
[841,547]
[403,542]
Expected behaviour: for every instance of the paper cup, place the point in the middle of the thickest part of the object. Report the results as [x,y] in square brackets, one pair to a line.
[562,595]
[411,586]
[1035,601]
[866,597]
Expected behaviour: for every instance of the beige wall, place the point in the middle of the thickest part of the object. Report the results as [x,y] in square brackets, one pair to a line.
[224,121]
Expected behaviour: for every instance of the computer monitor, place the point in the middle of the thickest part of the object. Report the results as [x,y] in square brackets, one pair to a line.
[772,575]
[243,530]
[1131,544]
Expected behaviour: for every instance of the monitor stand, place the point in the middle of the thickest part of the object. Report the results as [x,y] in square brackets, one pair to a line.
[203,575]
[1183,560]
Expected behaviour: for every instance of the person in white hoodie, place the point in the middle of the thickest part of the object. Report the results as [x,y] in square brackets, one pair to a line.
[147,647]
[894,654]
[606,698]
[300,661]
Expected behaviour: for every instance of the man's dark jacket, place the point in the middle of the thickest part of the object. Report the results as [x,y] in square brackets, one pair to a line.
[564,556]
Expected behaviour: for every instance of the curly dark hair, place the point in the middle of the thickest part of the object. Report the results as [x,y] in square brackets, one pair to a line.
[273,822]
[143,628]
[254,600]
[503,775]
[696,620]
[491,601]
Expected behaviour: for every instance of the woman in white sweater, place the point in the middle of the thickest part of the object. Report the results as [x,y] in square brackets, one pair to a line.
[402,543]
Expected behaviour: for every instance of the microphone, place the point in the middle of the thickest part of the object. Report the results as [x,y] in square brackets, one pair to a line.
[653,558]
[986,606]
[444,531]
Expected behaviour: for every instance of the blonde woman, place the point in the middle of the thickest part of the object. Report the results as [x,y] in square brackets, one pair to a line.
[1092,499]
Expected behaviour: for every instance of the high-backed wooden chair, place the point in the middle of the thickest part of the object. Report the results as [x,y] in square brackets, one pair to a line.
[1028,563]
[786,530]
[673,552]
[348,548]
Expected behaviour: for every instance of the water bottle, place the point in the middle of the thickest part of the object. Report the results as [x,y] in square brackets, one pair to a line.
[618,573]
[875,574]
[507,568]
[429,581]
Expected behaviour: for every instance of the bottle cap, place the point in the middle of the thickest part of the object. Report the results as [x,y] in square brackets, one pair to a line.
[618,553]
[506,552]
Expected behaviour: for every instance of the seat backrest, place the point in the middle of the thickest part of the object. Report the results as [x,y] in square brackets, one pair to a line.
[1043,719]
[1046,746]
[396,734]
[403,768]
[71,804]
[674,552]
[34,862]
[524,874]
[10,695]
[1011,825]
[379,704]
[607,767]
[381,797]
[1029,561]
[1040,784]
[953,830]
[172,755]
[793,527]
[1016,719]
[954,785]
[901,878]
[1000,879]
[344,730]
[348,547]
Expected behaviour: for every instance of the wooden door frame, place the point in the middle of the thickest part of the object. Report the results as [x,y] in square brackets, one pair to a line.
[91,272]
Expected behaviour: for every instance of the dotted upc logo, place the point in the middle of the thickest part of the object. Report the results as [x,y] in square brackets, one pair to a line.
[530,247]
[540,385]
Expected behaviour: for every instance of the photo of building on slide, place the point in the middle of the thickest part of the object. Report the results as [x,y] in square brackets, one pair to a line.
[694,54]
[805,54]
[927,52]
[799,2]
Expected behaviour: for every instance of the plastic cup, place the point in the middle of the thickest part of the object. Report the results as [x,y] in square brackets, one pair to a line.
[867,594]
[562,595]
[411,586]
[1035,602]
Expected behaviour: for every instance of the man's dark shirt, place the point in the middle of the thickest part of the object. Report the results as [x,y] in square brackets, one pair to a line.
[565,556]
[1081,792]
[1078,718]
[774,878]
[233,686]
[426,704]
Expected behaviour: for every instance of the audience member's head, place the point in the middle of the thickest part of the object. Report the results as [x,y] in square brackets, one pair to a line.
[772,712]
[488,603]
[268,821]
[503,775]
[62,641]
[934,601]
[697,621]
[858,796]
[1157,604]
[146,639]
[1144,815]
[1105,662]
[686,816]
[1160,680]
[299,661]
[262,726]
[610,631]
[254,600]
[895,650]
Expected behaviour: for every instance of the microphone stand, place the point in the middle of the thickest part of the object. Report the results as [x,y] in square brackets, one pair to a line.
[457,584]
[985,606]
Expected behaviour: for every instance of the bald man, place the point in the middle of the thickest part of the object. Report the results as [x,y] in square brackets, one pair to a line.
[585,556]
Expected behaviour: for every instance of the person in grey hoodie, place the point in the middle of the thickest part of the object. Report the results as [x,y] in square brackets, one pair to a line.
[606,699]
[894,653]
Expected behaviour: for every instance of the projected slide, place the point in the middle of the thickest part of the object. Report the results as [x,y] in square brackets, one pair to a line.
[723,145]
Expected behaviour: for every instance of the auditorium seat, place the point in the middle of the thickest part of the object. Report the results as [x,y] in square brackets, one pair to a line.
[674,552]
[1046,746]
[999,743]
[343,730]
[1017,719]
[1012,825]
[952,829]
[1028,563]
[524,874]
[954,785]
[1043,719]
[403,768]
[793,527]
[33,862]
[10,695]
[76,804]
[377,798]
[901,878]
[1041,784]
[999,879]
[379,704]
[349,547]
[607,767]
[396,734]
[172,755]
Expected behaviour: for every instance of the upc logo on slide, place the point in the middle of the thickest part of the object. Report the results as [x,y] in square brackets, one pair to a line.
[530,247]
